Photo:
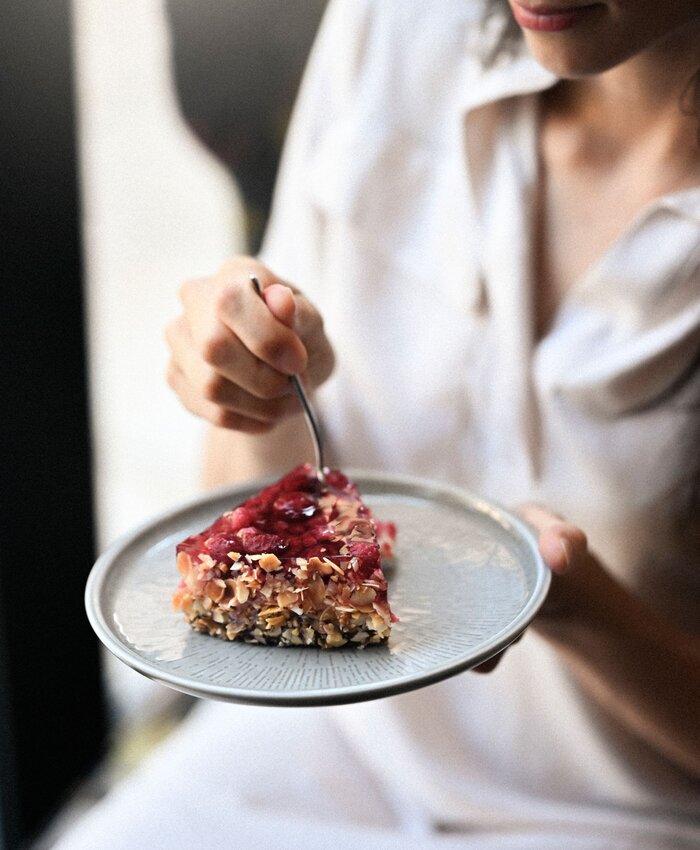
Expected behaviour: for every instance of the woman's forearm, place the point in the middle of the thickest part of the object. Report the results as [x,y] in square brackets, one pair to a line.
[636,665]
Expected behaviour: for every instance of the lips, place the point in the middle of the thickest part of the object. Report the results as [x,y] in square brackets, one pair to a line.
[550,18]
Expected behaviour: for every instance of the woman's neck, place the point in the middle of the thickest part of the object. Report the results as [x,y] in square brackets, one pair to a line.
[649,99]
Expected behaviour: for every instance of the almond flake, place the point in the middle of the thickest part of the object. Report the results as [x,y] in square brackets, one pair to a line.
[317,590]
[207,561]
[269,562]
[315,564]
[242,593]
[184,563]
[215,589]
[335,639]
[363,597]
[287,598]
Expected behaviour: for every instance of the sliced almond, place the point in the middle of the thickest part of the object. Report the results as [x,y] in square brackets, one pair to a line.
[335,639]
[233,629]
[269,562]
[315,565]
[277,621]
[317,591]
[215,589]
[287,598]
[242,593]
[184,563]
[363,597]
[182,600]
[359,637]
[207,561]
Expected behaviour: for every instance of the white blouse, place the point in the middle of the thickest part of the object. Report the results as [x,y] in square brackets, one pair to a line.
[403,211]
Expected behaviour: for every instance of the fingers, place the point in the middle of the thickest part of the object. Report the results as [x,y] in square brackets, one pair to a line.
[219,416]
[309,324]
[218,353]
[280,302]
[294,310]
[233,351]
[561,544]
[244,387]
[491,663]
[250,320]
[293,327]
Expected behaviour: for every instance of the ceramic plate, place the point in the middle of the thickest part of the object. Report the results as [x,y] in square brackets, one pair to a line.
[466,580]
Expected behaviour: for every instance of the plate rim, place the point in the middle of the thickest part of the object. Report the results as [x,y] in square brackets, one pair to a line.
[100,573]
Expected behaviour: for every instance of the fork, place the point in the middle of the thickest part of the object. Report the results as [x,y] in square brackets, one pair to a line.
[312,421]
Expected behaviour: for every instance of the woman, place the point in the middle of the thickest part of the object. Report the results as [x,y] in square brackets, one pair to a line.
[501,230]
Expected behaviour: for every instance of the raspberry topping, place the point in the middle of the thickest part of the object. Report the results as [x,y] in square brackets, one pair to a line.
[296,518]
[295,505]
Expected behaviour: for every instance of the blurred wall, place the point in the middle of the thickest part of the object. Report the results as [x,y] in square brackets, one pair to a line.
[157,208]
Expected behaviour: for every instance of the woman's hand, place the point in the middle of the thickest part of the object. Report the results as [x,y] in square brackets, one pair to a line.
[232,352]
[563,547]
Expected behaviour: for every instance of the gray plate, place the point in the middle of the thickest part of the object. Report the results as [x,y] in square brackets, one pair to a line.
[466,581]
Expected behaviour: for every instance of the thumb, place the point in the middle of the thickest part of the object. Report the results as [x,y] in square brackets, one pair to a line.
[280,302]
[561,544]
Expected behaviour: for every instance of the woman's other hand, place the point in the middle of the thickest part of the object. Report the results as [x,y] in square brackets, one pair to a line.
[564,549]
[232,352]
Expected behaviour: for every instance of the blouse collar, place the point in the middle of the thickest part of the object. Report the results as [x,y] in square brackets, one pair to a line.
[517,74]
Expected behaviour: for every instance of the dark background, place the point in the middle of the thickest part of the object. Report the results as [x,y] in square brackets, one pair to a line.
[52,718]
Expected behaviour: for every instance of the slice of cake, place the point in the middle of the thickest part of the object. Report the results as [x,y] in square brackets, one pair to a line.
[297,564]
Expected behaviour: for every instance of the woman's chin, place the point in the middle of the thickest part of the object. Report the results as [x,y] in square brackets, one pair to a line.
[597,37]
[570,59]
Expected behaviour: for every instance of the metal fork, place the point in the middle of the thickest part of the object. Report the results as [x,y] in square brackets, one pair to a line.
[309,415]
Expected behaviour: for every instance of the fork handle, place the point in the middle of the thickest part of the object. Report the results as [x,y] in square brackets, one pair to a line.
[309,415]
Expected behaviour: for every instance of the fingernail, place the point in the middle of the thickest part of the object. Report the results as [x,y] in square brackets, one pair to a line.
[288,363]
[568,554]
